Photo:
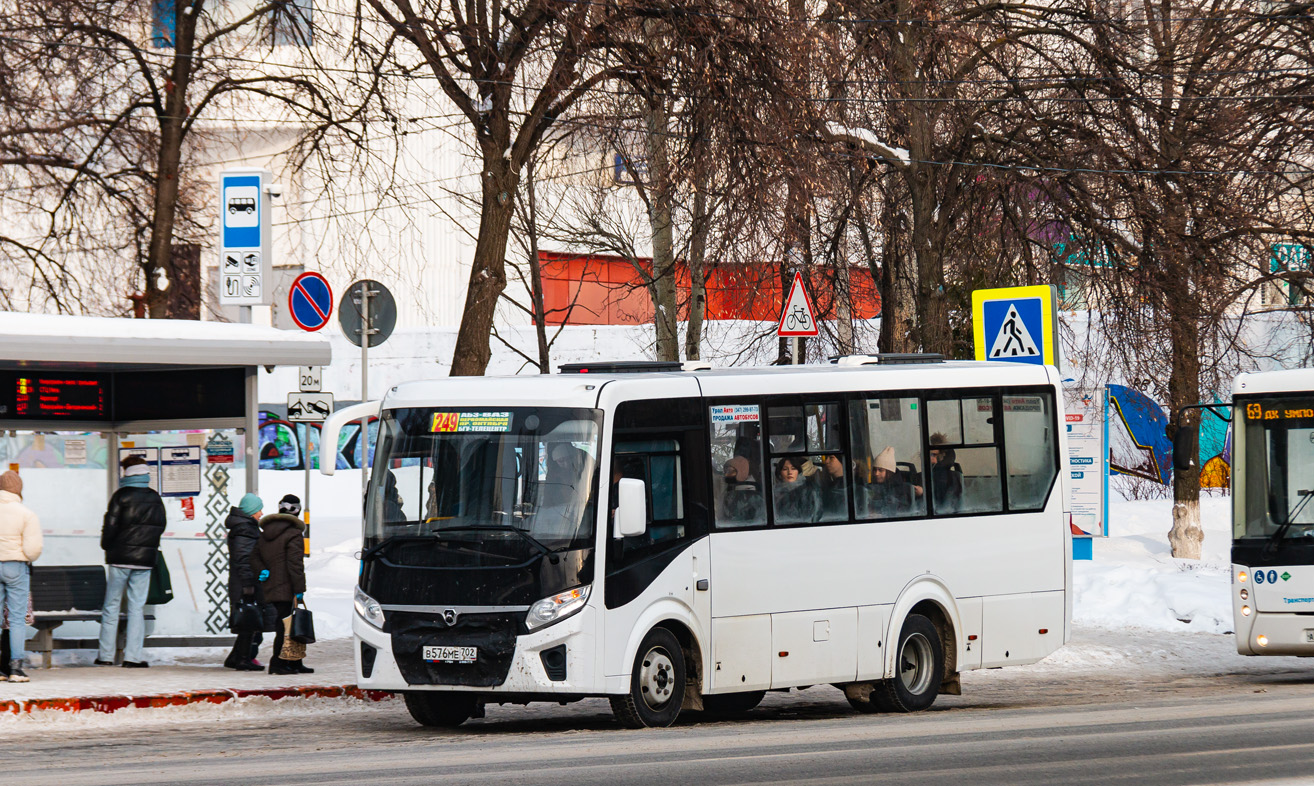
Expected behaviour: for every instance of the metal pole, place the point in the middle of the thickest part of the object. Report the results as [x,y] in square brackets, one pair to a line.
[252,430]
[795,341]
[305,501]
[364,385]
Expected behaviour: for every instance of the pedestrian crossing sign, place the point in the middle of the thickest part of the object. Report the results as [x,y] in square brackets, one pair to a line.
[1016,324]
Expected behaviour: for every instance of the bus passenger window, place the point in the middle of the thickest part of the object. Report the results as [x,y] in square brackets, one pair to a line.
[736,447]
[964,456]
[886,435]
[803,490]
[1029,441]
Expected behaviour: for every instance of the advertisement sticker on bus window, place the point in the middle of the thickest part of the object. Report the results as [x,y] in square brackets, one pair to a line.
[735,413]
[1023,404]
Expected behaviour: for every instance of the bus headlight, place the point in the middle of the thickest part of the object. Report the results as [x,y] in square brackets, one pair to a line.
[1241,576]
[369,609]
[1261,640]
[557,607]
[1245,611]
[1245,594]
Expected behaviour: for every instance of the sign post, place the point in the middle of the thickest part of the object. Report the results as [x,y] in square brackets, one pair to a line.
[798,317]
[367,314]
[1016,324]
[246,268]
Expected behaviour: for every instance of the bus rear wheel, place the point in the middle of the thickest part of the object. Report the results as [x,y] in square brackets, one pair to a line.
[656,683]
[439,709]
[918,669]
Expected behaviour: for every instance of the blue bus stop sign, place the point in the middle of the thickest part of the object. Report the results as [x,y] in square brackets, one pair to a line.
[310,301]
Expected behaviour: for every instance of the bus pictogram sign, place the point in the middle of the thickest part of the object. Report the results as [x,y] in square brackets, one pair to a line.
[310,301]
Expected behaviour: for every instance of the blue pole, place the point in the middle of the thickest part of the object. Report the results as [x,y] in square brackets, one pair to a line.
[1104,464]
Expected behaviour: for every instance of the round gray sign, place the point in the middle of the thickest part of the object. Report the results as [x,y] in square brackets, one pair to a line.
[382,312]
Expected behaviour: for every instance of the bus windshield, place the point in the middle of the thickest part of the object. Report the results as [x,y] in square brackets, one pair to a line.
[1275,447]
[528,473]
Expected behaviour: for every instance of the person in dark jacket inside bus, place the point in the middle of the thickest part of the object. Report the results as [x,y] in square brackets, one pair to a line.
[243,535]
[133,524]
[946,477]
[279,563]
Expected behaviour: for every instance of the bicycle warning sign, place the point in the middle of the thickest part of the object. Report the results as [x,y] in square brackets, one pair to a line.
[798,317]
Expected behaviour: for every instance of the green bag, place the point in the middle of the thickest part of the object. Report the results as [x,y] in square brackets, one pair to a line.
[161,589]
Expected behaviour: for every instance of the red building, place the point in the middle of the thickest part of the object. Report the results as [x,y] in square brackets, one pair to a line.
[607,290]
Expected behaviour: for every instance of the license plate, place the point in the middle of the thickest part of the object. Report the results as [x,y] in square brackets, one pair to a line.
[1309,636]
[451,654]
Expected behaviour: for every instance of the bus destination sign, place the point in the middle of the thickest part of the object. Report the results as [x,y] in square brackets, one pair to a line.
[58,397]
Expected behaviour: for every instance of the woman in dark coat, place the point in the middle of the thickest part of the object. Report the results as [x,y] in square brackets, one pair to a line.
[797,499]
[243,534]
[279,563]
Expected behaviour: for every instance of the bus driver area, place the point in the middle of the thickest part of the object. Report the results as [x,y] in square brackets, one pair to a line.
[679,539]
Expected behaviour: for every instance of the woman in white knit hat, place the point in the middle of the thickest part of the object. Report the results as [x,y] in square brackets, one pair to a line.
[20,545]
[888,495]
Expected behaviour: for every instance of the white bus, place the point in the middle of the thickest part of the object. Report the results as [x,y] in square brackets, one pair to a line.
[1272,518]
[679,539]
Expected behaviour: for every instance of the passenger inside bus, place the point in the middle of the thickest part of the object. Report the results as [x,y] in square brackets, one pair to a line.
[797,498]
[741,500]
[887,494]
[946,476]
[834,489]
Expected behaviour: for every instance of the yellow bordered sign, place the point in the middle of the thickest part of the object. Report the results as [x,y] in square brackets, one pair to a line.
[1016,324]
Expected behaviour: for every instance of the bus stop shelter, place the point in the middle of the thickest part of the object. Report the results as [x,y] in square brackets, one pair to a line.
[75,392]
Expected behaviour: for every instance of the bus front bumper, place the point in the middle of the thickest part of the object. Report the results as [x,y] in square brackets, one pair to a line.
[1274,633]
[528,673]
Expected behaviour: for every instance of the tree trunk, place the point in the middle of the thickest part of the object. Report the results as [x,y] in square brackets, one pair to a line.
[693,335]
[894,278]
[488,270]
[159,254]
[662,283]
[1186,537]
[536,276]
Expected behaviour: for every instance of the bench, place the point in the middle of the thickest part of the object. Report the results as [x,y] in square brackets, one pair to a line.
[67,593]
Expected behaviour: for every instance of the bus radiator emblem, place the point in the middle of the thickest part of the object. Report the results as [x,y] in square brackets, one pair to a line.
[449,616]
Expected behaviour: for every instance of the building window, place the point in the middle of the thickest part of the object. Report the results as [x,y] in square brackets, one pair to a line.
[290,23]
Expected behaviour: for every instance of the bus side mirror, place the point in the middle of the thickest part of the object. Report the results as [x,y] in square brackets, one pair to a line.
[1186,444]
[631,508]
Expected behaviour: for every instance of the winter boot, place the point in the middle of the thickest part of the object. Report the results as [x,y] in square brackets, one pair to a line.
[300,667]
[16,673]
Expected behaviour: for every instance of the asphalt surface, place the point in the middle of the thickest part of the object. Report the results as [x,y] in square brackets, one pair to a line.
[1142,727]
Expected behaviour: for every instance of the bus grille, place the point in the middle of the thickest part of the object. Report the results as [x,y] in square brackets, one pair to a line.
[493,634]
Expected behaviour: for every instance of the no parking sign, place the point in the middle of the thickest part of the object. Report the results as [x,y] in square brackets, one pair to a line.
[310,301]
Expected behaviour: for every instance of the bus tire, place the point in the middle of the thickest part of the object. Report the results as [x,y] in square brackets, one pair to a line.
[439,709]
[730,704]
[918,667]
[656,684]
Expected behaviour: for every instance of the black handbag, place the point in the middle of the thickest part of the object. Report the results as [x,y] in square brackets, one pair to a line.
[248,617]
[303,625]
[161,587]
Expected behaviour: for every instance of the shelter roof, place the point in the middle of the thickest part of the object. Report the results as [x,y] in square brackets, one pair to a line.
[117,344]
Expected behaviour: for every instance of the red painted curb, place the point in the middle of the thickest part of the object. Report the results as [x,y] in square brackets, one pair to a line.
[108,704]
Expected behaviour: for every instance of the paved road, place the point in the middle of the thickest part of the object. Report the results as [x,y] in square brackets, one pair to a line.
[1141,728]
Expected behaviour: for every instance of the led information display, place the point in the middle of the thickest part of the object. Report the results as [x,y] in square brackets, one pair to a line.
[60,396]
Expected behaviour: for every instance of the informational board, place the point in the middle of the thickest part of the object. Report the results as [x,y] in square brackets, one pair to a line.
[245,265]
[798,318]
[1016,324]
[310,379]
[75,452]
[1088,484]
[180,471]
[219,450]
[152,456]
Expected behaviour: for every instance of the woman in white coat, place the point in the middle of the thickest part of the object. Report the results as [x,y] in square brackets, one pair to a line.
[20,545]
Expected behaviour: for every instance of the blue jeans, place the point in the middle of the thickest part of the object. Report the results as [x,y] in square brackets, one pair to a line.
[138,583]
[15,583]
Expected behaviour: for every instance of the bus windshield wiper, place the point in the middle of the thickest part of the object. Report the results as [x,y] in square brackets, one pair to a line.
[530,539]
[1275,540]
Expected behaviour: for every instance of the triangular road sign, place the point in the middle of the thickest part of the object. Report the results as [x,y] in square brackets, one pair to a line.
[799,317]
[1013,339]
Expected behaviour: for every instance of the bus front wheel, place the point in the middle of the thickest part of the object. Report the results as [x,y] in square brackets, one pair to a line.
[440,709]
[918,669]
[656,683]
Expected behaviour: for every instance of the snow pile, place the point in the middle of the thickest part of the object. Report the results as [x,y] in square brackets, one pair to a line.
[1135,582]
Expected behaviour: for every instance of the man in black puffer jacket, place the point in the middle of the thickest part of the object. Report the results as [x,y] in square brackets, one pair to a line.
[130,537]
